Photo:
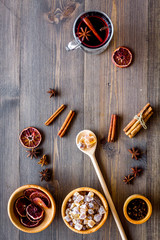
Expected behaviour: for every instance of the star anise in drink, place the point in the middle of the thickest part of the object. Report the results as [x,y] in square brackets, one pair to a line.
[84,34]
[136,171]
[33,153]
[135,153]
[52,92]
[45,175]
[43,161]
[128,179]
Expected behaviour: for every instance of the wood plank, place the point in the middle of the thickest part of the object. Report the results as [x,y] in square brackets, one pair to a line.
[9,114]
[153,141]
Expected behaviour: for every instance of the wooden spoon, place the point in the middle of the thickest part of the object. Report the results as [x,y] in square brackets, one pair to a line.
[91,153]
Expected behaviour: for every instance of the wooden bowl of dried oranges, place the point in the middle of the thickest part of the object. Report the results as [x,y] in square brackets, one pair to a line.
[31,208]
[84,210]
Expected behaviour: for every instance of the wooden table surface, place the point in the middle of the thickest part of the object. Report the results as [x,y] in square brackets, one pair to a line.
[32,60]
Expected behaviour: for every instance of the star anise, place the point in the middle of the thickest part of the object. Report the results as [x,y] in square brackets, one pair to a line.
[52,92]
[84,34]
[128,179]
[33,153]
[43,161]
[136,171]
[45,175]
[135,153]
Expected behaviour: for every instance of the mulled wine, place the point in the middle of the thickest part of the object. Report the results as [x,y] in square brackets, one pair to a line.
[93,29]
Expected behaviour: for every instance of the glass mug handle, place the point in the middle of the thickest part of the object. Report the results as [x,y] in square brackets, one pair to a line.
[73,45]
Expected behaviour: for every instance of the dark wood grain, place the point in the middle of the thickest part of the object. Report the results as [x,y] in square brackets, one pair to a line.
[32,60]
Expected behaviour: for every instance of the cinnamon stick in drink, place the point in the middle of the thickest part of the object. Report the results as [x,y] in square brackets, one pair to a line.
[89,24]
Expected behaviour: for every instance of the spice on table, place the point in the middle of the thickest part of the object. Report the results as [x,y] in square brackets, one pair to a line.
[136,171]
[84,34]
[112,129]
[137,209]
[135,153]
[128,179]
[66,123]
[139,121]
[55,114]
[45,175]
[33,153]
[103,141]
[52,92]
[43,161]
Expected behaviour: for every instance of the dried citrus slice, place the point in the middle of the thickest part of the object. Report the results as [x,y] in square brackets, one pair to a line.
[20,205]
[28,223]
[27,192]
[42,196]
[122,57]
[30,137]
[30,219]
[34,212]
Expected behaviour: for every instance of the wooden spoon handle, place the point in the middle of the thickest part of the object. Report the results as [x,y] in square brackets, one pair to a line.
[108,196]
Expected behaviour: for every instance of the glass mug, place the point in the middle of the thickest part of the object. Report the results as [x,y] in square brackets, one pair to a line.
[92,32]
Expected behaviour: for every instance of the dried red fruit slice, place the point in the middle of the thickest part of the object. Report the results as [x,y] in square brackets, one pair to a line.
[34,212]
[27,223]
[29,191]
[30,137]
[31,218]
[42,196]
[20,205]
[38,201]
[122,57]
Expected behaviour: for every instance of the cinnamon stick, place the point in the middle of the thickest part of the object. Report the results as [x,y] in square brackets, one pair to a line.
[137,129]
[134,126]
[89,24]
[66,123]
[149,110]
[134,120]
[55,114]
[112,128]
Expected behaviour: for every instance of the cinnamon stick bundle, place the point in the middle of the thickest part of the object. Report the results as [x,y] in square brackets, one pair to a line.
[112,129]
[55,114]
[134,126]
[66,123]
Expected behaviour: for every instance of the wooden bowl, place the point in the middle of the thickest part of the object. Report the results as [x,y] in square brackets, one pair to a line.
[104,202]
[49,212]
[128,201]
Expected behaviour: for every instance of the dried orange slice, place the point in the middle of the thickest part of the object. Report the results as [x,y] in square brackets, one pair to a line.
[122,57]
[20,205]
[30,137]
[42,196]
[28,223]
[34,212]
